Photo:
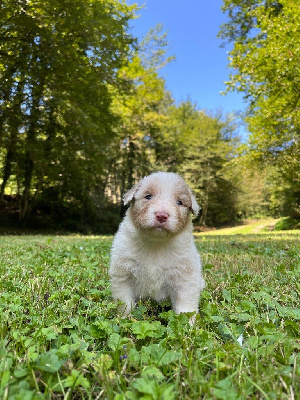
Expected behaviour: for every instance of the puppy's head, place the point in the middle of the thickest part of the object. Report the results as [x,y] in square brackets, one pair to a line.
[161,202]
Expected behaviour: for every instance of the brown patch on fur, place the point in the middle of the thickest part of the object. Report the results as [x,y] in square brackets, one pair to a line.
[182,211]
[183,195]
[152,188]
[139,209]
[138,212]
[182,217]
[129,196]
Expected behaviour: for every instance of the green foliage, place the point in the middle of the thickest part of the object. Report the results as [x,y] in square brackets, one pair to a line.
[61,336]
[154,49]
[157,135]
[199,146]
[84,114]
[265,63]
[132,154]
[265,60]
[59,61]
[92,116]
[286,224]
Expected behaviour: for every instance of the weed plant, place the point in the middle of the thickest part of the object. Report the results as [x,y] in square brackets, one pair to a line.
[61,337]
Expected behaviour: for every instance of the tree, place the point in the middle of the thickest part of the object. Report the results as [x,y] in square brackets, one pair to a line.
[252,194]
[141,114]
[199,146]
[266,61]
[58,63]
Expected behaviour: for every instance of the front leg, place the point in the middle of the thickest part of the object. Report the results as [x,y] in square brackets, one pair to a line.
[185,299]
[122,289]
[185,294]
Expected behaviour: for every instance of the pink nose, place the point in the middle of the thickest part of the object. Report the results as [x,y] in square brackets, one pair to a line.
[161,216]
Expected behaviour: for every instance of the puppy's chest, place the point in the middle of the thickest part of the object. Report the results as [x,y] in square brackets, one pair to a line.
[153,265]
[152,273]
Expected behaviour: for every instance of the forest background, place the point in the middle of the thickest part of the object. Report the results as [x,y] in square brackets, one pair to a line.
[84,114]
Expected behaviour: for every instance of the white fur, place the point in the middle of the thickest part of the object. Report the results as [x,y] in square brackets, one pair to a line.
[154,258]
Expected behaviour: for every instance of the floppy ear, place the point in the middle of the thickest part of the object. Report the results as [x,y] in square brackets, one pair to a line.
[129,196]
[195,208]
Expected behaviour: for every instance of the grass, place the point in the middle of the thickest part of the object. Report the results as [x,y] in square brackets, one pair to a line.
[255,226]
[62,339]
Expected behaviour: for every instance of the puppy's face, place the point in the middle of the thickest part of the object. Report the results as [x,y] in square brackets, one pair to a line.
[162,203]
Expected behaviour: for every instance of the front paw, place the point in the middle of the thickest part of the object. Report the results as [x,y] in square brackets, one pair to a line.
[124,309]
[192,320]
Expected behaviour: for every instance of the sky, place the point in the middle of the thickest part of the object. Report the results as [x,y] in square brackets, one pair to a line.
[200,68]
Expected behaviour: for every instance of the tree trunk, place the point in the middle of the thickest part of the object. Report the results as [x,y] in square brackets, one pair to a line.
[14,122]
[30,150]
[7,166]
[5,96]
[205,207]
[130,163]
[203,215]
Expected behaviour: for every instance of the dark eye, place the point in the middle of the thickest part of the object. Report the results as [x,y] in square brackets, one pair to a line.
[148,197]
[179,202]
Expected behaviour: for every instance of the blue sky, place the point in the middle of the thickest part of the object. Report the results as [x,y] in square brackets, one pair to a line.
[200,68]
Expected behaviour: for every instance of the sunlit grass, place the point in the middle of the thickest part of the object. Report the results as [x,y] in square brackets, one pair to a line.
[61,337]
[257,226]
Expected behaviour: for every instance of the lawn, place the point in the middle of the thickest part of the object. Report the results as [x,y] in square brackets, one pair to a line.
[62,339]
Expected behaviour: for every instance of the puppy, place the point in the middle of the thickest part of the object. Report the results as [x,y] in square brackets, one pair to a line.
[153,253]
